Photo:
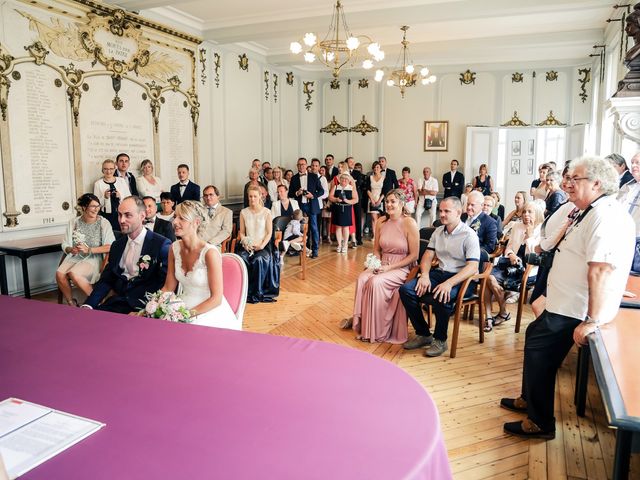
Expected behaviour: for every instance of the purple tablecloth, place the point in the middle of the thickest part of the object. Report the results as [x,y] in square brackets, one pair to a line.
[184,401]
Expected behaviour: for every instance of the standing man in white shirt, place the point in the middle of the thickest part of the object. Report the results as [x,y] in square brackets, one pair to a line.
[315,168]
[585,286]
[123,163]
[427,190]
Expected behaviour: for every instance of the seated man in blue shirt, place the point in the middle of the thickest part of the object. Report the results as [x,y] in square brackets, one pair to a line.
[457,248]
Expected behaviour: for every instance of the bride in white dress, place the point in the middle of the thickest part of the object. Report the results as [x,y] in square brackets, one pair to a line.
[197,266]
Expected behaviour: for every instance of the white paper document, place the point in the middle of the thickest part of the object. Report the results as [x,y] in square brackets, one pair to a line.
[31,434]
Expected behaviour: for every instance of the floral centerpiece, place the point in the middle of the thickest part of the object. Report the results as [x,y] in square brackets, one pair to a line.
[372,262]
[166,306]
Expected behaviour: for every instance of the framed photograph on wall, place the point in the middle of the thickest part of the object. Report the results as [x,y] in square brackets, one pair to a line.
[515,166]
[530,164]
[436,136]
[515,148]
[532,147]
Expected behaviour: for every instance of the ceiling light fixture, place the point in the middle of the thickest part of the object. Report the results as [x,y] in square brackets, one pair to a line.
[404,76]
[339,47]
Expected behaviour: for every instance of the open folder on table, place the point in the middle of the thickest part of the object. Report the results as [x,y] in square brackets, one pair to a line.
[31,434]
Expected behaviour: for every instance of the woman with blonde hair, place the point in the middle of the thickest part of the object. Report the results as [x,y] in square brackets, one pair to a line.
[483,182]
[148,184]
[524,238]
[256,249]
[272,185]
[197,266]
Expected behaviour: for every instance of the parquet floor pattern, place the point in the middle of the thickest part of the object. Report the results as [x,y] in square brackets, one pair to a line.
[466,389]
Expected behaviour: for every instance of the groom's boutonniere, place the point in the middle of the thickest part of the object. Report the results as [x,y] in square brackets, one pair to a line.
[144,262]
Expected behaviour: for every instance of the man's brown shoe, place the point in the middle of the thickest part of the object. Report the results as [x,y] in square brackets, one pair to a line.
[527,429]
[514,404]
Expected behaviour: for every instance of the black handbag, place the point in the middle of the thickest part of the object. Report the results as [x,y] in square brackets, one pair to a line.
[428,203]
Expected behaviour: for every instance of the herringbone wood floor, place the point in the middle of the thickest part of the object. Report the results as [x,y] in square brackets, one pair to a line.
[466,389]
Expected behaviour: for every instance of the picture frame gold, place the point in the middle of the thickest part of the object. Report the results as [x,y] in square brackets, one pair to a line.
[436,135]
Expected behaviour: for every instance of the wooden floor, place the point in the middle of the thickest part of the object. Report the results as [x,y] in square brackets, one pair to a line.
[466,389]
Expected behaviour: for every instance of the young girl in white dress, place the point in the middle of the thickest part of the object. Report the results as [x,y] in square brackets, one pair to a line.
[197,266]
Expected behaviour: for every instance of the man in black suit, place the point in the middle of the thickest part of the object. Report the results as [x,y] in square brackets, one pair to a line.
[155,224]
[137,263]
[390,180]
[484,226]
[453,181]
[185,189]
[306,188]
[123,162]
[358,177]
[332,170]
[620,164]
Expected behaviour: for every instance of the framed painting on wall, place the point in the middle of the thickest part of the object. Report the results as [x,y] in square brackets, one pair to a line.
[515,166]
[436,136]
[515,148]
[530,163]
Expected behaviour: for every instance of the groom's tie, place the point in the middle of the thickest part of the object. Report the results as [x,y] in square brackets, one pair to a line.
[129,260]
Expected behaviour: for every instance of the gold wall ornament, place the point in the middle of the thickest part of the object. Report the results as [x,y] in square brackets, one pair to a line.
[266,85]
[12,219]
[363,83]
[6,65]
[203,64]
[243,62]
[289,78]
[175,82]
[585,78]
[468,77]
[363,127]
[192,97]
[306,89]
[335,84]
[551,121]
[216,66]
[74,79]
[517,77]
[333,127]
[79,42]
[16,75]
[552,76]
[515,121]
[275,88]
[38,52]
[155,92]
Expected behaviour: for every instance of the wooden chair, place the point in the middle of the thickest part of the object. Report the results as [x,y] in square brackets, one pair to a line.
[225,243]
[524,294]
[102,267]
[463,302]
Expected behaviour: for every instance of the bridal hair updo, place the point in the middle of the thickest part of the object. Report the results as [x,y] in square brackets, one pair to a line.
[194,212]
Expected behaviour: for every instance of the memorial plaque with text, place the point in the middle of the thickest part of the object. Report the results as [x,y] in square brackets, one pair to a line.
[176,135]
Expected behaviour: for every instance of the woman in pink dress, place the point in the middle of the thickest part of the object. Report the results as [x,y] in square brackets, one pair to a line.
[378,314]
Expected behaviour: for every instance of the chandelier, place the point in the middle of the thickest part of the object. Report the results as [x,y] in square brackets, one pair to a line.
[408,74]
[339,47]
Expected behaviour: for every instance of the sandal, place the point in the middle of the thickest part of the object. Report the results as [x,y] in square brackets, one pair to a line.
[501,319]
[488,326]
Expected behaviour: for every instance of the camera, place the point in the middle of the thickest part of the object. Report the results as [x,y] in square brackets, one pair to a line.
[545,259]
[304,192]
[112,187]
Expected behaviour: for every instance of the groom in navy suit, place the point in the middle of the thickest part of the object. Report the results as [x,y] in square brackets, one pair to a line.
[485,227]
[306,188]
[137,263]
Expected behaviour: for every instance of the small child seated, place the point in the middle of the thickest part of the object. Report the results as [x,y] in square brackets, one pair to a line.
[293,233]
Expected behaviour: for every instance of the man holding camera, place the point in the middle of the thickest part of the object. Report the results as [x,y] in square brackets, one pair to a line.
[586,283]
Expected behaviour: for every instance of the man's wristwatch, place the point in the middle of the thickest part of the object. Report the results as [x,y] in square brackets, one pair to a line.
[590,320]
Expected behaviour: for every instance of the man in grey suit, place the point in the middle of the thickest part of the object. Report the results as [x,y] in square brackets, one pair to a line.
[220,223]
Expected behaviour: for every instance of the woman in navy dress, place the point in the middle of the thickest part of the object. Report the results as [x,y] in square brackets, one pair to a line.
[342,197]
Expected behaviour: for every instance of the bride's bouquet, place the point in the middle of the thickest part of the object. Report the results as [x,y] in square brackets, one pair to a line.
[372,262]
[166,306]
